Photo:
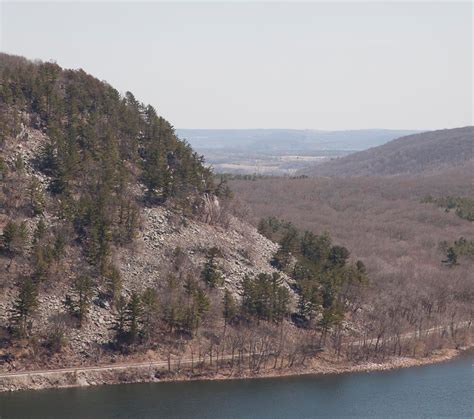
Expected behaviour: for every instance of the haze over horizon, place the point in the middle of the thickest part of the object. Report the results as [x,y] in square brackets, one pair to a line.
[259,65]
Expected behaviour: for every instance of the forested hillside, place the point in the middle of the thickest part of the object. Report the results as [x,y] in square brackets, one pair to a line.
[107,220]
[414,235]
[119,245]
[418,153]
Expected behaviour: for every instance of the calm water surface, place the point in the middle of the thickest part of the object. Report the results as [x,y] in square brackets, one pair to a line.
[442,390]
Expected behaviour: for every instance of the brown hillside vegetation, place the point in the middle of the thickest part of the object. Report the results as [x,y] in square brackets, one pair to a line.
[381,218]
[425,152]
[384,222]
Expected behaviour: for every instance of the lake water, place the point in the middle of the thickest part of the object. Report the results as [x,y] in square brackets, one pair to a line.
[441,390]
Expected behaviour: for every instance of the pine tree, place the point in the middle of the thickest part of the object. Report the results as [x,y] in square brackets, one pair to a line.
[265,297]
[83,290]
[36,197]
[59,245]
[98,242]
[24,307]
[40,231]
[42,256]
[14,237]
[10,233]
[113,282]
[309,299]
[211,274]
[156,175]
[202,303]
[3,166]
[229,311]
[19,164]
[191,312]
[128,220]
[120,322]
[338,256]
[134,312]
[451,257]
[149,312]
[22,238]
[281,301]
[315,248]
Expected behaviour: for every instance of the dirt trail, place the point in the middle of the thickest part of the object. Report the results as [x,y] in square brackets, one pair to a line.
[185,362]
[410,335]
[106,367]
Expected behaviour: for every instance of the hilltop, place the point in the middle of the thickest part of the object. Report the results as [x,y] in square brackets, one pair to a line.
[419,153]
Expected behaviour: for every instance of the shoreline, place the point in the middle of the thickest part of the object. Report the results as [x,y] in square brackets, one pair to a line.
[149,373]
[396,363]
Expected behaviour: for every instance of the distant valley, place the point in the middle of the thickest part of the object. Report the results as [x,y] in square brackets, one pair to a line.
[280,151]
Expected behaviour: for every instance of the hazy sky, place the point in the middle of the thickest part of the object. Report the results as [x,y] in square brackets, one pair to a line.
[265,65]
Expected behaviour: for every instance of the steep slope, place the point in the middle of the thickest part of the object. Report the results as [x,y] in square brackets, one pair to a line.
[145,265]
[106,215]
[425,152]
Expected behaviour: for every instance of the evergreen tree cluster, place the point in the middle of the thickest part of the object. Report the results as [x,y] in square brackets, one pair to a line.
[462,206]
[460,247]
[24,307]
[325,280]
[187,303]
[136,317]
[14,237]
[211,274]
[99,145]
[265,297]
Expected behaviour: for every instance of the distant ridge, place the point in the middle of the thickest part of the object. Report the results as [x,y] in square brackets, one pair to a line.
[426,152]
[272,141]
